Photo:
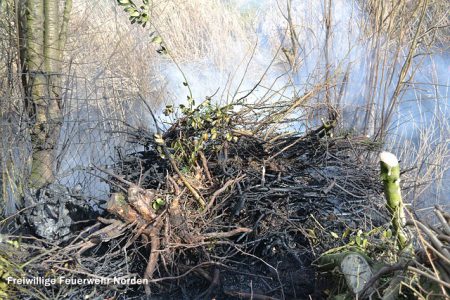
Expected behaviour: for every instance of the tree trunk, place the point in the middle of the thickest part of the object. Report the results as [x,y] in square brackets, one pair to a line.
[41,62]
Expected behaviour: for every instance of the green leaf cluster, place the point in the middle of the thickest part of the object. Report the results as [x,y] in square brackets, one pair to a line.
[7,267]
[158,203]
[206,126]
[137,14]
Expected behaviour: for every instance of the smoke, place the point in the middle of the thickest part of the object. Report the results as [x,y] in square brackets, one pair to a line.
[226,47]
[371,81]
[264,53]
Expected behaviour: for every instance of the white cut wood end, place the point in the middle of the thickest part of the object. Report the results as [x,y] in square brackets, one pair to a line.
[389,159]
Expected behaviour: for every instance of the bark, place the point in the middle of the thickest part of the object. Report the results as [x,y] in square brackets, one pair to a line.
[64,26]
[43,42]
[118,206]
[141,201]
[35,90]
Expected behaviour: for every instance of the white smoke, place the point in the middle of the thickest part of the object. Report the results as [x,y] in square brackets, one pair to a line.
[350,50]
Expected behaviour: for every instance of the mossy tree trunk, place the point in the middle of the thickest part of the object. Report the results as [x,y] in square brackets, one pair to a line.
[44,35]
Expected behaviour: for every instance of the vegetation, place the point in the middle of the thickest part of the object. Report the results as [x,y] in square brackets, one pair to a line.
[237,145]
[392,257]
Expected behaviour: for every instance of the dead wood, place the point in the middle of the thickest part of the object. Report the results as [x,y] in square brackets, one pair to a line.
[221,235]
[244,295]
[155,243]
[141,200]
[117,206]
[245,206]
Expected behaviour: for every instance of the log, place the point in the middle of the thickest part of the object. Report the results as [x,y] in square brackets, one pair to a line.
[119,207]
[141,200]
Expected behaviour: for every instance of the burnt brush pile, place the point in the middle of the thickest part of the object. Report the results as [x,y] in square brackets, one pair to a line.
[248,213]
[222,205]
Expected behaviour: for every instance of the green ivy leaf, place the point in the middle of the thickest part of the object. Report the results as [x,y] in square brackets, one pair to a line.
[334,234]
[157,40]
[387,234]
[168,110]
[144,18]
[158,139]
[364,243]
[162,50]
[135,14]
[160,202]
[346,233]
